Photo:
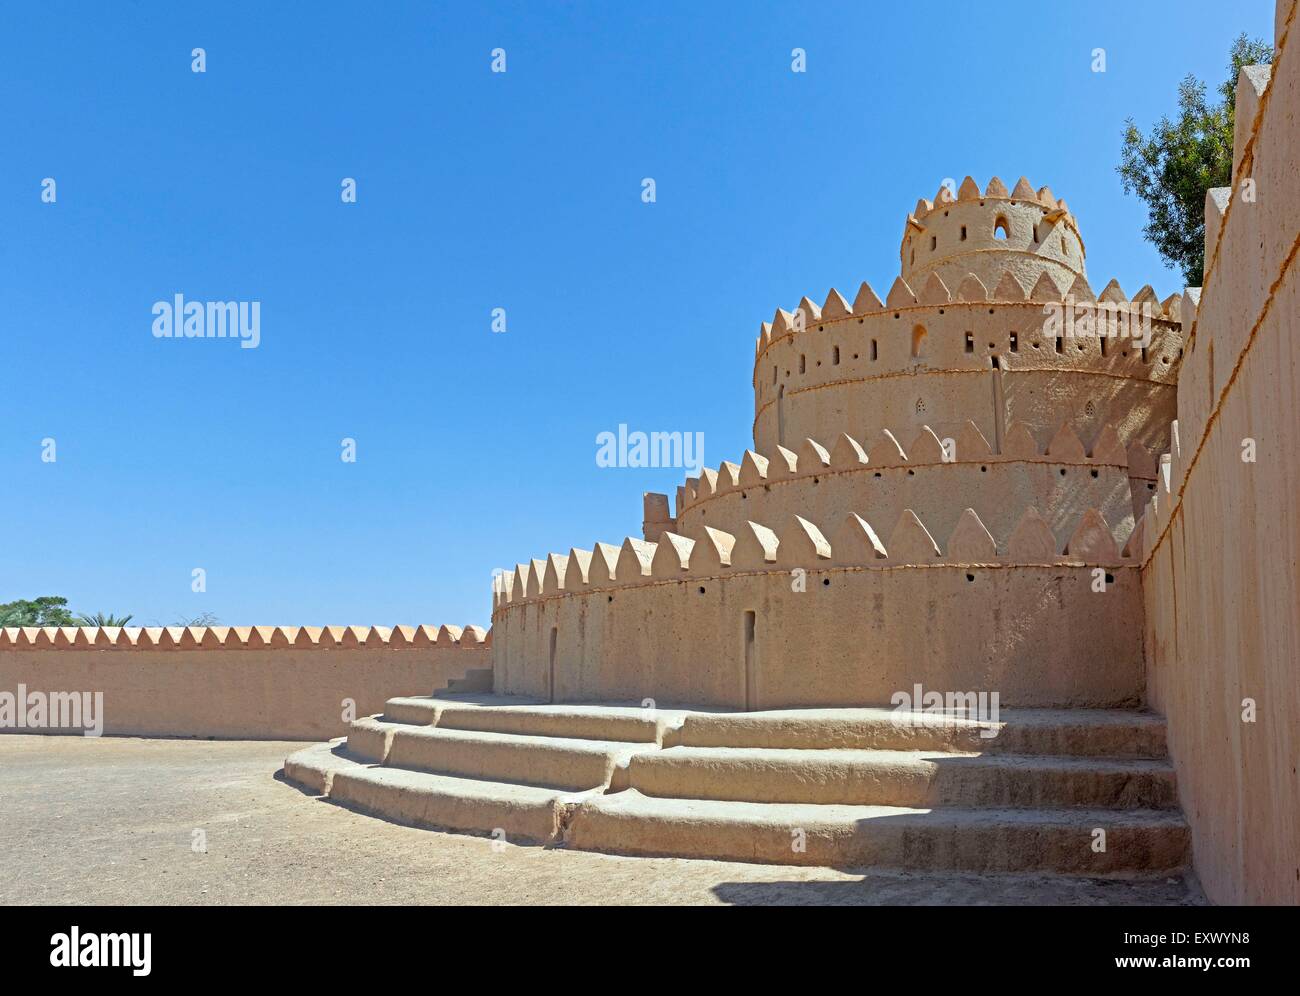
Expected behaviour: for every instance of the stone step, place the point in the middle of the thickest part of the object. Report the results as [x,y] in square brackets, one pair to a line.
[314,767]
[511,714]
[414,710]
[628,724]
[424,710]
[1061,732]
[977,840]
[519,813]
[476,679]
[1085,732]
[902,778]
[554,762]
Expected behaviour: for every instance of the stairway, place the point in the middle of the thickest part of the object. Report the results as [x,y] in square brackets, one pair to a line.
[840,787]
[476,679]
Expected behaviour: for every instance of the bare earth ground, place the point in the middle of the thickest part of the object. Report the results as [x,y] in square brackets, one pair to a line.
[111,821]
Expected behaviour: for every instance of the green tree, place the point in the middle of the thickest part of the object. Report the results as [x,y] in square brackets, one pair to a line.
[1173,167]
[49,610]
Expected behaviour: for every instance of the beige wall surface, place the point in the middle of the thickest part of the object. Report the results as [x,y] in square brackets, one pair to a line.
[998,490]
[849,637]
[266,693]
[1222,570]
[801,391]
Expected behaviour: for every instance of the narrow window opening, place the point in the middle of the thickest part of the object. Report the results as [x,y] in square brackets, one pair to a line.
[963,233]
[1144,355]
[835,356]
[918,340]
[1102,340]
[1015,343]
[970,343]
[780,414]
[874,351]
[934,241]
[751,662]
[1060,344]
[996,364]
[554,635]
[803,363]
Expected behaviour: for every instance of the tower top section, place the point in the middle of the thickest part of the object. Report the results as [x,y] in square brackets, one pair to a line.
[989,233]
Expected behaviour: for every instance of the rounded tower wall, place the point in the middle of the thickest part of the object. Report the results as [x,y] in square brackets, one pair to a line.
[994,363]
[960,450]
[990,235]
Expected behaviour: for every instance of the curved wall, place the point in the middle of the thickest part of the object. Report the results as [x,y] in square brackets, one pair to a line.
[940,365]
[991,236]
[853,637]
[829,614]
[998,491]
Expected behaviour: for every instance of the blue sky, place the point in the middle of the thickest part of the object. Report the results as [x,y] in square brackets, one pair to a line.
[475,191]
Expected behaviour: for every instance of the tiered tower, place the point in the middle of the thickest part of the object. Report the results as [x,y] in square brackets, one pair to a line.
[942,490]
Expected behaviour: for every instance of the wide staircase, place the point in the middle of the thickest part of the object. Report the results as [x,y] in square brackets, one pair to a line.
[1085,792]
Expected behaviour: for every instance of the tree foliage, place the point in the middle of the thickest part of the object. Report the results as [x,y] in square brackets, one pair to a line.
[49,610]
[1172,167]
[52,610]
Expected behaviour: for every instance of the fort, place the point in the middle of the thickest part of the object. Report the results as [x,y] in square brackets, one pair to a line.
[951,492]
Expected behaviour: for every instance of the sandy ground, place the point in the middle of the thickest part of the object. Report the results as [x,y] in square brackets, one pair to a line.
[114,820]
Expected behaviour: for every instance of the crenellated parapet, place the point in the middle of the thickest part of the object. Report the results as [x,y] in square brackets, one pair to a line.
[882,450]
[242,637]
[854,543]
[1023,231]
[927,354]
[971,290]
[806,611]
[937,475]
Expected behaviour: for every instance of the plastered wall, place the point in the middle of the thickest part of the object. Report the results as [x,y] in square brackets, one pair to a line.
[1222,559]
[262,687]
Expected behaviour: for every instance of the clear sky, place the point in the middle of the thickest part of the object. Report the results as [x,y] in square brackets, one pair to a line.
[518,190]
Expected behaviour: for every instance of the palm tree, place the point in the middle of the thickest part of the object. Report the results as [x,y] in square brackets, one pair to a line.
[100,619]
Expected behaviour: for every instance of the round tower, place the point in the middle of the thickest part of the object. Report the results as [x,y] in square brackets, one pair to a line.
[938,475]
[976,328]
[1023,232]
